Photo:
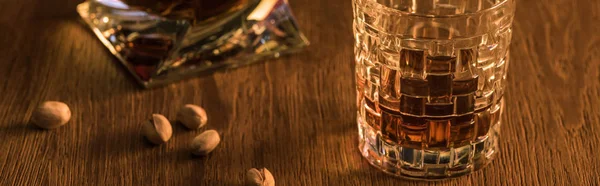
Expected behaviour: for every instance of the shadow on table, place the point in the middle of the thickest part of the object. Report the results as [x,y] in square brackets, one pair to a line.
[15,129]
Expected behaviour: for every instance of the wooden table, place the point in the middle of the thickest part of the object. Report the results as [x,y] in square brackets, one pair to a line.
[294,115]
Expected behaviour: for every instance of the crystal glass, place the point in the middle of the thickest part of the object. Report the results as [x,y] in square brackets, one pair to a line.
[160,41]
[430,77]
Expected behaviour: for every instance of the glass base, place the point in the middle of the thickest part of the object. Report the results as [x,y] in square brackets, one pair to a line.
[159,50]
[426,164]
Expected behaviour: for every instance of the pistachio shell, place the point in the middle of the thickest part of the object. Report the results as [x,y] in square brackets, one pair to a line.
[158,130]
[206,142]
[192,116]
[262,177]
[51,114]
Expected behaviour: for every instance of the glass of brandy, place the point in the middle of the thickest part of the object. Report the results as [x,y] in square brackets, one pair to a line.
[430,80]
[161,41]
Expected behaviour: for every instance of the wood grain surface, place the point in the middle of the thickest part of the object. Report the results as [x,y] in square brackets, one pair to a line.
[294,115]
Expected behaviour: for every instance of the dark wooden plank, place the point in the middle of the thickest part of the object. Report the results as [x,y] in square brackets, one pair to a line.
[294,115]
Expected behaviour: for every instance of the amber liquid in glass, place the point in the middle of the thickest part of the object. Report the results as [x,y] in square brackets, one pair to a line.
[430,79]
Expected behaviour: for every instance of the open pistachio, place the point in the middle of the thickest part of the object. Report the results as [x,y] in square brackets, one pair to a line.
[206,142]
[192,116]
[158,130]
[259,177]
[51,114]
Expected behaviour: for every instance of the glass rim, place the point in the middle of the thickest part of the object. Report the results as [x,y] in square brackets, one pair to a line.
[433,16]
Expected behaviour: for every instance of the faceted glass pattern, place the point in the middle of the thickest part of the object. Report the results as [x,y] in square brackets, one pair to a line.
[430,79]
[185,38]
